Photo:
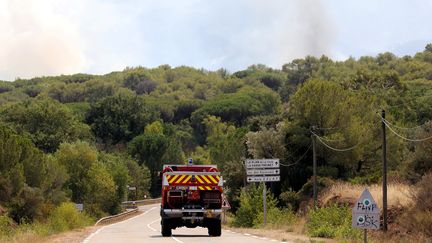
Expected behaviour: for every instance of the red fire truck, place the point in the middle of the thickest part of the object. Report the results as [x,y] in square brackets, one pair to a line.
[191,197]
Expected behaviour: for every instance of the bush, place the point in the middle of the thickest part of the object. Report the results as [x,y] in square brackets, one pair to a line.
[66,217]
[419,218]
[6,226]
[275,218]
[250,212]
[251,204]
[290,199]
[330,222]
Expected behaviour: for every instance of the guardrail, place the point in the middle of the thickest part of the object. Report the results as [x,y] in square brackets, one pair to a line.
[128,204]
[117,217]
[124,215]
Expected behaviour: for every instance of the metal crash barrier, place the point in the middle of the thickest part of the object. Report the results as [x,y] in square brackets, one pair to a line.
[132,209]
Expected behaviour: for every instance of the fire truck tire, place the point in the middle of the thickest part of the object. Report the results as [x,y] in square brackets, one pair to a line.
[215,228]
[166,228]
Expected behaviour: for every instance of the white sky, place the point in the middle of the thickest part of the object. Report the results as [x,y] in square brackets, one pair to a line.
[52,37]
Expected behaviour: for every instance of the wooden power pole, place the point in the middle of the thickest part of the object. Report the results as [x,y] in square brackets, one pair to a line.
[384,170]
[315,196]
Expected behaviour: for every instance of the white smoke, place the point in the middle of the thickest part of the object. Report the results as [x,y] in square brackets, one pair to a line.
[52,37]
[35,41]
[236,34]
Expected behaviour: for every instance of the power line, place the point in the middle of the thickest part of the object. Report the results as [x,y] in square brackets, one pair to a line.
[332,140]
[332,148]
[326,128]
[288,165]
[405,138]
[404,128]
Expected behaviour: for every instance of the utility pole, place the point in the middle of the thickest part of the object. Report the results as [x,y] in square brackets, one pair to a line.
[384,170]
[315,197]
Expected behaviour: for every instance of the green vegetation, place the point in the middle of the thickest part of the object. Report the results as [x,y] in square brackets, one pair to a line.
[85,138]
[332,221]
[250,213]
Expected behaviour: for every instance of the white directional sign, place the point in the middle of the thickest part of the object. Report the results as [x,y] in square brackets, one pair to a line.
[262,163]
[263,172]
[365,213]
[263,178]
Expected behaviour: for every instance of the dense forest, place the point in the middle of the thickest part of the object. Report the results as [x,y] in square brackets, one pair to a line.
[87,138]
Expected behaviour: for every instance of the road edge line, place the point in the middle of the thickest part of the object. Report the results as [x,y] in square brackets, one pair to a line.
[86,240]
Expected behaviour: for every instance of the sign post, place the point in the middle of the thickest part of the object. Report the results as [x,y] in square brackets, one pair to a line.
[225,206]
[365,213]
[263,170]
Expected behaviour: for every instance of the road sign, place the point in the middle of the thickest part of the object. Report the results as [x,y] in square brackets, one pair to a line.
[132,188]
[263,172]
[262,178]
[262,163]
[365,213]
[225,203]
[79,206]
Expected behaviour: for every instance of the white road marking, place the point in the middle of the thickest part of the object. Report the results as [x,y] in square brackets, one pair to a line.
[86,240]
[179,241]
[246,234]
[155,230]
[149,225]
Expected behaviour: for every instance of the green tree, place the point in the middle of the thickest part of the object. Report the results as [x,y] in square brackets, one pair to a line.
[119,118]
[100,187]
[47,122]
[139,177]
[149,149]
[118,170]
[78,158]
[226,145]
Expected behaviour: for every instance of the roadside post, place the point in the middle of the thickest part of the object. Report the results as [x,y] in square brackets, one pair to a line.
[133,188]
[263,170]
[365,213]
[225,206]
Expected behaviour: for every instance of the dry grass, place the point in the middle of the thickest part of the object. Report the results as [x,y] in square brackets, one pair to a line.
[73,236]
[398,195]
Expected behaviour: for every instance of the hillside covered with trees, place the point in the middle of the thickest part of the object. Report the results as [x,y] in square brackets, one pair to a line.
[86,138]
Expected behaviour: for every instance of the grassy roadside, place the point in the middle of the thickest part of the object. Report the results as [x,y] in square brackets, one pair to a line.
[63,218]
[409,217]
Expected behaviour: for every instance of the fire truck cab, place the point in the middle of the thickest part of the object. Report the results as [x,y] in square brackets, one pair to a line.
[191,197]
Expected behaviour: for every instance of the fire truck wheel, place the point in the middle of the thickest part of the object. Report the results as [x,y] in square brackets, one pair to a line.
[166,228]
[214,228]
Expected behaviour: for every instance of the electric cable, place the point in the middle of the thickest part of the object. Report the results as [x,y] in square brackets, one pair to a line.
[301,157]
[405,138]
[404,128]
[332,148]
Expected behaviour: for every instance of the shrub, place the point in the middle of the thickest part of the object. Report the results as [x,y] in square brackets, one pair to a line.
[290,199]
[66,217]
[6,226]
[250,212]
[251,204]
[275,218]
[419,218]
[330,222]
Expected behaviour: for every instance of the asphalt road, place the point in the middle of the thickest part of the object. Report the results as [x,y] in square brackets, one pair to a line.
[146,228]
